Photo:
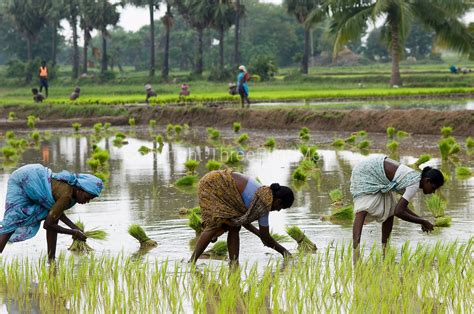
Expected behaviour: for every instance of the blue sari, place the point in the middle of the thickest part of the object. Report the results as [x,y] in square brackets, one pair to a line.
[242,88]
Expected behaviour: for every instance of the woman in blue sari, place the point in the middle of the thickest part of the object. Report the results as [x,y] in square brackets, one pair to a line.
[242,86]
[35,193]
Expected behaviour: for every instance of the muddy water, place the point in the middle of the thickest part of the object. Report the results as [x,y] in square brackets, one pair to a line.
[141,191]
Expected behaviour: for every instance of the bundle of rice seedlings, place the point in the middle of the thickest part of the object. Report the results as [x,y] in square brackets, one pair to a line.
[444,221]
[233,157]
[35,136]
[402,134]
[336,196]
[191,165]
[244,137]
[152,123]
[143,150]
[215,134]
[219,249]
[9,135]
[138,233]
[304,130]
[159,139]
[446,131]
[236,127]
[186,181]
[436,205]
[469,143]
[421,160]
[31,121]
[98,127]
[178,129]
[463,172]
[338,143]
[365,144]
[76,126]
[304,244]
[390,132]
[392,146]
[93,164]
[351,139]
[361,133]
[279,237]
[169,129]
[81,246]
[195,221]
[107,125]
[299,174]
[343,213]
[270,143]
[131,122]
[213,165]
[11,116]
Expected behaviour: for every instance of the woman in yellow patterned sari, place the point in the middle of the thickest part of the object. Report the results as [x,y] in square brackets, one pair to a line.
[229,200]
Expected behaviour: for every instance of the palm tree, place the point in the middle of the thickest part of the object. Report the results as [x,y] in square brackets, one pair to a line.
[86,13]
[104,14]
[198,14]
[238,15]
[222,19]
[56,14]
[29,18]
[167,20]
[152,5]
[72,16]
[301,9]
[444,17]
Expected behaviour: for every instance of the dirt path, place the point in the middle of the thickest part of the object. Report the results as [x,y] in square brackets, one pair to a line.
[416,121]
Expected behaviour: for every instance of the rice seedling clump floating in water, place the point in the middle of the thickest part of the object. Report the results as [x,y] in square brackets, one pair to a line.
[82,247]
[138,233]
[304,243]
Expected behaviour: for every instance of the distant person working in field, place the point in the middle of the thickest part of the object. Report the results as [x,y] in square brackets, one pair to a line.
[35,193]
[242,86]
[230,200]
[75,94]
[374,182]
[184,90]
[149,93]
[37,96]
[43,77]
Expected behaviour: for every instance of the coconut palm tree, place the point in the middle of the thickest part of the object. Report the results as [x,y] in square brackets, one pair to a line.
[72,15]
[223,17]
[58,11]
[152,5]
[167,20]
[86,14]
[350,17]
[301,9]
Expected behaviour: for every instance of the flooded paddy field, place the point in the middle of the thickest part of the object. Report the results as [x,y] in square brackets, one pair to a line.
[141,190]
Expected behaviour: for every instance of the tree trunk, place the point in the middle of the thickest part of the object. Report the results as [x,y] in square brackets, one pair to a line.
[104,64]
[29,55]
[86,43]
[395,79]
[165,70]
[237,33]
[54,45]
[152,38]
[199,61]
[221,49]
[75,52]
[304,62]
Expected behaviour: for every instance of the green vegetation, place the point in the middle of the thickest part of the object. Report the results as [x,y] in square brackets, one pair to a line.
[243,138]
[437,206]
[213,165]
[31,121]
[138,233]
[11,116]
[336,195]
[338,143]
[304,243]
[469,143]
[195,220]
[446,131]
[304,134]
[390,133]
[152,123]
[82,247]
[191,166]
[186,181]
[421,160]
[236,127]
[76,126]
[143,150]
[218,250]
[131,122]
[270,143]
[392,147]
[365,144]
[463,172]
[214,134]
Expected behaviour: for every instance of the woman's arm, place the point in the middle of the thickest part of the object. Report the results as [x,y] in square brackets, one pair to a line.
[264,234]
[68,222]
[55,214]
[402,212]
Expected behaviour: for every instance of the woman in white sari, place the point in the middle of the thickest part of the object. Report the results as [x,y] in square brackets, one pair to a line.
[374,183]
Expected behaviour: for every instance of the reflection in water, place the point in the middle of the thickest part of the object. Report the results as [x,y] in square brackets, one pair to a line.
[140,190]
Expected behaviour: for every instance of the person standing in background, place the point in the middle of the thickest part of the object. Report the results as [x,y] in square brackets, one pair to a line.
[43,77]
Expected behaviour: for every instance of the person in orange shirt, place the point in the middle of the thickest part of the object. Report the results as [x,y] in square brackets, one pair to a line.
[43,76]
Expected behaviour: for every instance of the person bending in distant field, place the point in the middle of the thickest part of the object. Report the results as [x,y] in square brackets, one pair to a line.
[373,183]
[149,93]
[34,193]
[229,200]
[184,90]
[37,96]
[43,77]
[242,86]
[75,94]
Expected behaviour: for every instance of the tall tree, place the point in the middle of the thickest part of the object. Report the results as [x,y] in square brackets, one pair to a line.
[167,21]
[351,16]
[87,8]
[29,17]
[223,18]
[152,5]
[56,14]
[72,16]
[238,15]
[198,14]
[105,14]
[301,9]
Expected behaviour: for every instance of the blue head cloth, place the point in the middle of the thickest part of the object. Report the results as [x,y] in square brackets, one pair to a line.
[86,182]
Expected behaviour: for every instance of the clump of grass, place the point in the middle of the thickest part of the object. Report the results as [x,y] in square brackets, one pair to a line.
[131,122]
[191,165]
[152,123]
[446,131]
[351,139]
[8,152]
[448,147]
[107,125]
[76,126]
[219,249]
[143,150]
[35,136]
[463,172]
[392,146]
[93,164]
[178,129]
[186,181]
[244,137]
[9,135]
[361,133]
[11,116]
[365,144]
[214,134]
[270,143]
[138,233]
[304,244]
[81,246]
[338,143]
[390,132]
[469,143]
[232,156]
[169,129]
[279,237]
[98,127]
[436,205]
[119,139]
[195,221]
[344,213]
[310,152]
[213,165]
[421,160]
[336,196]
[444,221]
[402,134]
[31,121]
[159,139]
[299,174]
[236,127]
